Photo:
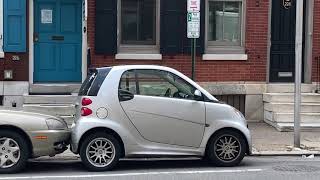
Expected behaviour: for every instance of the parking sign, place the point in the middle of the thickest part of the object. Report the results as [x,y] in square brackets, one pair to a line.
[193,27]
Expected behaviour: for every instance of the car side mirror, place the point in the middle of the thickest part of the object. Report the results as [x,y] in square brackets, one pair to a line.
[125,95]
[197,95]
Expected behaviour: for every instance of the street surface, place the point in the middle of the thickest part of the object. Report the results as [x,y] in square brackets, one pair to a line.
[255,168]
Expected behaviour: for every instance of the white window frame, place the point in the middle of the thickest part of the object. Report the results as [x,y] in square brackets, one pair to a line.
[145,52]
[225,49]
[1,29]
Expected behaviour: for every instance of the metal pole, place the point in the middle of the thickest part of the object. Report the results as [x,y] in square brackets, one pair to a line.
[193,54]
[298,64]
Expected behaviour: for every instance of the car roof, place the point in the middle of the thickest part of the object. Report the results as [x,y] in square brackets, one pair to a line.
[127,67]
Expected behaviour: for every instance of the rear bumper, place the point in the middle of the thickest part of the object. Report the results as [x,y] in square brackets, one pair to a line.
[49,142]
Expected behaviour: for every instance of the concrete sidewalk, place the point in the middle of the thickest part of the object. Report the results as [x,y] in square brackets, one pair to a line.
[266,141]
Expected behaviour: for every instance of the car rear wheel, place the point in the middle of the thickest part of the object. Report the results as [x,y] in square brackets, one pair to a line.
[226,148]
[13,152]
[100,152]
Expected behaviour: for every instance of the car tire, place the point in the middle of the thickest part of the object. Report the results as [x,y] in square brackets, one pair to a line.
[107,156]
[226,149]
[14,147]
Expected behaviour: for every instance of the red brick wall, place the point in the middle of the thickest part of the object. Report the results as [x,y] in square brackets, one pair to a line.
[254,69]
[316,43]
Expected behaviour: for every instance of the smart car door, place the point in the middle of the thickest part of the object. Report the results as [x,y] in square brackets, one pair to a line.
[162,107]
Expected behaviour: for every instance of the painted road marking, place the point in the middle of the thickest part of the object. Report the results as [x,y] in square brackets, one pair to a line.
[132,174]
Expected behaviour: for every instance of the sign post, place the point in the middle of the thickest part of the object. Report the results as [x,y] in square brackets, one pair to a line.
[193,28]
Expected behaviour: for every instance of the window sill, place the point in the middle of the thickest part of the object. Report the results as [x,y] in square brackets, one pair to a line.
[127,56]
[1,54]
[225,57]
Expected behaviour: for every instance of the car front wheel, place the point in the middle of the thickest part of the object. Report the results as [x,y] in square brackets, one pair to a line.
[100,152]
[226,148]
[13,152]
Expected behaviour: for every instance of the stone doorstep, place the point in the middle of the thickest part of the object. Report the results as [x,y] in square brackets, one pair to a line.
[289,117]
[289,88]
[49,99]
[289,97]
[289,107]
[288,127]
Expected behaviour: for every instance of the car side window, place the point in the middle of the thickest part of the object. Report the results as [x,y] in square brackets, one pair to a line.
[163,84]
[128,82]
[151,83]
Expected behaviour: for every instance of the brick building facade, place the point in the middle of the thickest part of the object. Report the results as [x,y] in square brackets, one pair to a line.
[244,45]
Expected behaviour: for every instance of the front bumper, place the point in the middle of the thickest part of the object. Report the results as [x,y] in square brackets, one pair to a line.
[49,142]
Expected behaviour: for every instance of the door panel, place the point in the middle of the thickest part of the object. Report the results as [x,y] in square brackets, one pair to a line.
[48,52]
[57,41]
[167,120]
[282,51]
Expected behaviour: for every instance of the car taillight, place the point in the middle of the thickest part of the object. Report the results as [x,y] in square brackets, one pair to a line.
[86,101]
[85,111]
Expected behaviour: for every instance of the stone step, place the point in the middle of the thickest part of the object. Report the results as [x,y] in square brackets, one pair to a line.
[289,88]
[289,117]
[49,99]
[289,127]
[289,107]
[54,88]
[289,97]
[52,109]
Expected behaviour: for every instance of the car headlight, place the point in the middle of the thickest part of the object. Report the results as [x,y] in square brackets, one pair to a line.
[55,124]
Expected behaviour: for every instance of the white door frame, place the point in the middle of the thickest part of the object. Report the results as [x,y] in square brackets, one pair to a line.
[84,41]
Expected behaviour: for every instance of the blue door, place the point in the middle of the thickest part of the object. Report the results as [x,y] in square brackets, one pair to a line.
[57,41]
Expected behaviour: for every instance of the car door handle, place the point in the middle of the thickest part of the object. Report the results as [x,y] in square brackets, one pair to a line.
[125,95]
[57,38]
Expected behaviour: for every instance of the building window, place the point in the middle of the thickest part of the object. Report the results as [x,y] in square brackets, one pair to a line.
[225,24]
[138,25]
[1,29]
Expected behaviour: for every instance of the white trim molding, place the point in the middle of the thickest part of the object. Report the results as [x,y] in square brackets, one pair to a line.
[1,29]
[126,56]
[225,57]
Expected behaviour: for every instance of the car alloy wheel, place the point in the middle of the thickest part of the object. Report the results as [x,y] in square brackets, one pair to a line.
[9,152]
[227,148]
[100,152]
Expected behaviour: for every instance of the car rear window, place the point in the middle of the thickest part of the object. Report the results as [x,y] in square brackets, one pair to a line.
[93,82]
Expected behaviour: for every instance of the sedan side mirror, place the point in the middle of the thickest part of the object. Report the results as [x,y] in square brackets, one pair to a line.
[197,95]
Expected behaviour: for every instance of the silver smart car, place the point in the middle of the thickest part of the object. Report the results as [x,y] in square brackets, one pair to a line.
[154,111]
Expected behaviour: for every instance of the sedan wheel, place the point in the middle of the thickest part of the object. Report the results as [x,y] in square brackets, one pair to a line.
[13,152]
[227,148]
[100,152]
[9,152]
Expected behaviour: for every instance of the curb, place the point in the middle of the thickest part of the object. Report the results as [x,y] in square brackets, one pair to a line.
[285,153]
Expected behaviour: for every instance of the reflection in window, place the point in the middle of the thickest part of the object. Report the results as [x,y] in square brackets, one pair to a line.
[224,26]
[138,22]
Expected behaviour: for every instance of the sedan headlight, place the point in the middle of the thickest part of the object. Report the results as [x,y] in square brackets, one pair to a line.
[55,124]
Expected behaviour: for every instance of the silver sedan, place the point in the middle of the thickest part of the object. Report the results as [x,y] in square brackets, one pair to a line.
[25,135]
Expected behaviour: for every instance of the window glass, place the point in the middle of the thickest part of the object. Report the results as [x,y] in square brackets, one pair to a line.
[128,82]
[163,84]
[224,26]
[138,22]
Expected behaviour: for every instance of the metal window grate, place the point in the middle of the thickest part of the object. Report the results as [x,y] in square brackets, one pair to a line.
[238,101]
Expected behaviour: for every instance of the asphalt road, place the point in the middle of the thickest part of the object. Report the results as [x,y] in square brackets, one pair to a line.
[255,168]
